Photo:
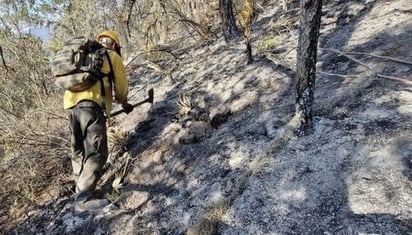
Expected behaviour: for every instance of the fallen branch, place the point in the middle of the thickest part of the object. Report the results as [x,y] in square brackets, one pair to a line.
[131,60]
[402,80]
[398,79]
[338,75]
[382,57]
[347,56]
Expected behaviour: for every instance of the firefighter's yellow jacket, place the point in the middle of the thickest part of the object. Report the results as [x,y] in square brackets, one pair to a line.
[120,87]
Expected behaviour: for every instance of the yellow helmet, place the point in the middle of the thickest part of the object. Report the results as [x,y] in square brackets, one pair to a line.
[111,35]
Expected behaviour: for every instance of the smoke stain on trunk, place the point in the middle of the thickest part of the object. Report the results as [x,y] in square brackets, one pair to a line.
[306,63]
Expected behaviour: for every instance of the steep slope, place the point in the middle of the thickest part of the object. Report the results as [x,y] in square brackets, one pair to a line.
[225,161]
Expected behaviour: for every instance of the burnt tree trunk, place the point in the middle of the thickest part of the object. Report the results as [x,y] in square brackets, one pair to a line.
[310,19]
[3,60]
[248,51]
[229,27]
[246,20]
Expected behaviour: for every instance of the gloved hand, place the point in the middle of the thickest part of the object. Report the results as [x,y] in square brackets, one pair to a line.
[127,108]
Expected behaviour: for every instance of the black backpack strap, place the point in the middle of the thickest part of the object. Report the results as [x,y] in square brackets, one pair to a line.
[110,76]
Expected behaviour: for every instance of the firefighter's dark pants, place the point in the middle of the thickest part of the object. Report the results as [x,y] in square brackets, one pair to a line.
[89,147]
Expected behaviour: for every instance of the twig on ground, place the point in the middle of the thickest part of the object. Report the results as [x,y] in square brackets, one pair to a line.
[338,75]
[131,60]
[398,79]
[347,56]
[382,57]
[402,80]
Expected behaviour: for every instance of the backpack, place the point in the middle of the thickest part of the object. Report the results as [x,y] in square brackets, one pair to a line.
[76,67]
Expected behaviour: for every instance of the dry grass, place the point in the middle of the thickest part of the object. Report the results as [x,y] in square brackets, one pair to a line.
[245,14]
[34,162]
[268,44]
[169,19]
[285,21]
[34,165]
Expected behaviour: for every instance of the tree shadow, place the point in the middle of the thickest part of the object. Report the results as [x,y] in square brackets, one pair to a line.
[187,178]
[332,205]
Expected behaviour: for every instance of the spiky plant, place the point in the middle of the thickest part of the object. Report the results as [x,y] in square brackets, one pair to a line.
[185,103]
[118,140]
[121,172]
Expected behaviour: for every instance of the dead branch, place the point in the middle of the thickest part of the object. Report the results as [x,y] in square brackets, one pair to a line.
[131,60]
[382,57]
[398,79]
[337,75]
[347,56]
[157,68]
[129,15]
[402,80]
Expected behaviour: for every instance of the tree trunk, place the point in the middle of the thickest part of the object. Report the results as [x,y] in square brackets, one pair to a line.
[3,60]
[229,27]
[248,16]
[248,51]
[310,19]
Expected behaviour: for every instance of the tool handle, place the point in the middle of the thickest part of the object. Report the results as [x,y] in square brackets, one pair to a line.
[148,100]
[122,110]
